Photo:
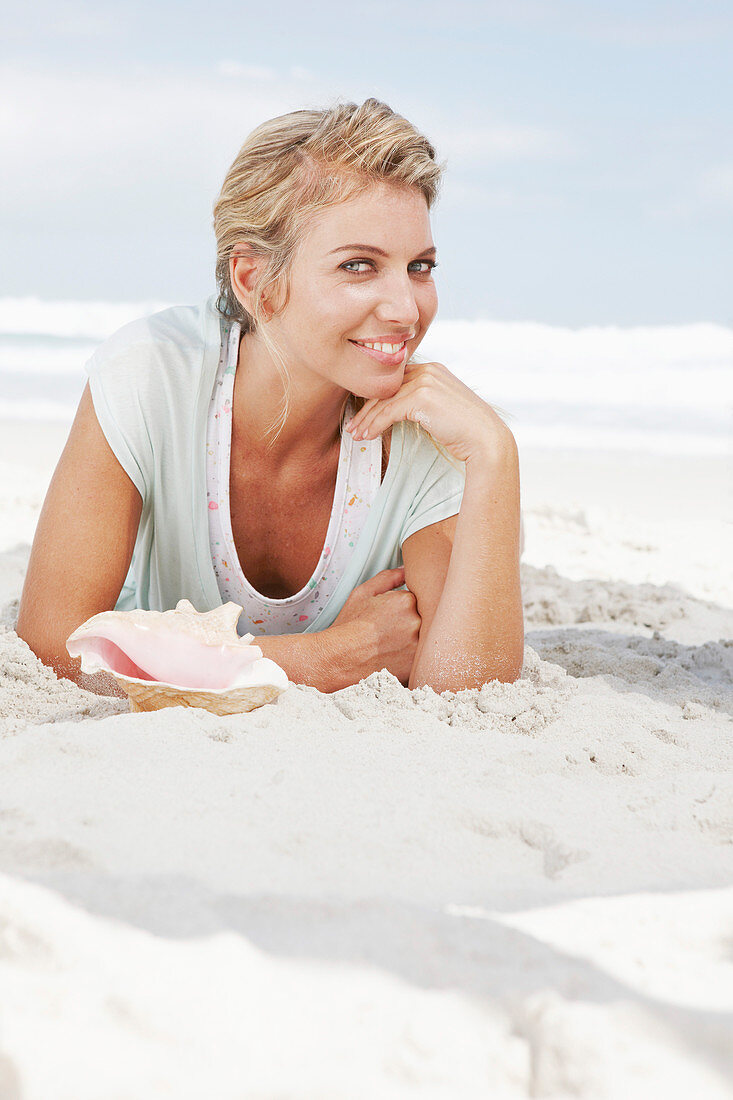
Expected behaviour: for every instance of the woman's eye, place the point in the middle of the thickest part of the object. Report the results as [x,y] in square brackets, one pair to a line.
[429,264]
[350,264]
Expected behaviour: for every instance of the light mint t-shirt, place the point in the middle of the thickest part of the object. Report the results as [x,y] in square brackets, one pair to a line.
[151,383]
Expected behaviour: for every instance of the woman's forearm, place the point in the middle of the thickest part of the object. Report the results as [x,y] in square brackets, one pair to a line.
[311,659]
[477,632]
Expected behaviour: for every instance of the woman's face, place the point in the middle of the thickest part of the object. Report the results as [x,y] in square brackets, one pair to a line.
[363,273]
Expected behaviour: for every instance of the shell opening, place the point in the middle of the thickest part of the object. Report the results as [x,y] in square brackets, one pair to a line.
[114,659]
[166,657]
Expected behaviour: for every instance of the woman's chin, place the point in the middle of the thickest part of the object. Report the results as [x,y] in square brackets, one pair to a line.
[384,388]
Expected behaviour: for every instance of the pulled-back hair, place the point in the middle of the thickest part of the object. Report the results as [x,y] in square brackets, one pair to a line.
[292,167]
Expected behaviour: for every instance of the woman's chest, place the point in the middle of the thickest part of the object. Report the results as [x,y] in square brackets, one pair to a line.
[279,525]
[279,532]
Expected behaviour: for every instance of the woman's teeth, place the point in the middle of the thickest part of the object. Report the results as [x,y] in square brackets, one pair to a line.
[387,349]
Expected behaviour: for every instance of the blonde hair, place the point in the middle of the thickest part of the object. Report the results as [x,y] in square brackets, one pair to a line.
[288,170]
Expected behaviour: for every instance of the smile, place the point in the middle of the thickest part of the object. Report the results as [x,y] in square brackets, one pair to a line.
[389,354]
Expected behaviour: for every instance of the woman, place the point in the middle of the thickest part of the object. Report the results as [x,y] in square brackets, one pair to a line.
[271,446]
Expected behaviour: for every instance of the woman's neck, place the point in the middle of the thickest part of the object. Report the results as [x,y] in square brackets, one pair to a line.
[310,433]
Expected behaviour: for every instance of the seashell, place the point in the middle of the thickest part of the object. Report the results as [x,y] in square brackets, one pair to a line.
[181,658]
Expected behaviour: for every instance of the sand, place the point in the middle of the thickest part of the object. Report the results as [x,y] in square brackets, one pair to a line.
[522,891]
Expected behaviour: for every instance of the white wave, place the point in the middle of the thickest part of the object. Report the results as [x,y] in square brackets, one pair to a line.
[666,365]
[527,344]
[39,357]
[576,437]
[664,388]
[37,410]
[87,320]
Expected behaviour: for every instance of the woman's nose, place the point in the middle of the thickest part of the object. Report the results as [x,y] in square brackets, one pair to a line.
[397,302]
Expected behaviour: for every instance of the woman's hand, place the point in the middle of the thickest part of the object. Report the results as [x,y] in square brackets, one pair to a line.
[378,628]
[430,395]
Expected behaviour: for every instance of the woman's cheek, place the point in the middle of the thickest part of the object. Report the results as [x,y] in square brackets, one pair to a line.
[428,304]
[431,291]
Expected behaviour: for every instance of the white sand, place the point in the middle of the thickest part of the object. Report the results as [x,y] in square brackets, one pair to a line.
[525,891]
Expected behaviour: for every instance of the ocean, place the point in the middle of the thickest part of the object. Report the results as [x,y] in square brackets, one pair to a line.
[660,389]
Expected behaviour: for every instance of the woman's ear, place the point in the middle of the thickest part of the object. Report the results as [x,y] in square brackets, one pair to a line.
[243,270]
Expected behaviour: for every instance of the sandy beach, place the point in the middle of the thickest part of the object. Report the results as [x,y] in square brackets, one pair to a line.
[522,891]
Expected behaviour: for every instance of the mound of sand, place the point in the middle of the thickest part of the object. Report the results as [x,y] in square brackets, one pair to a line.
[523,890]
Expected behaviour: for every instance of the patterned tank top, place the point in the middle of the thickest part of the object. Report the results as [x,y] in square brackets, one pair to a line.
[357,483]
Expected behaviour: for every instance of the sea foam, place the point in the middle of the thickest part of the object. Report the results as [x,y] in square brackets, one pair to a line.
[658,388]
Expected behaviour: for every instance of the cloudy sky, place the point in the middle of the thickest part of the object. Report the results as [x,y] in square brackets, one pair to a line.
[589,145]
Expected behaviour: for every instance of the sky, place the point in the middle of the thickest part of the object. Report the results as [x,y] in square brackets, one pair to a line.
[588,146]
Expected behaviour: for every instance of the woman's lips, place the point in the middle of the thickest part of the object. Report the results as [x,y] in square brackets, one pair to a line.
[382,356]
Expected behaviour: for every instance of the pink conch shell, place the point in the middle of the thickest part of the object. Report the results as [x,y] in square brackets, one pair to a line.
[179,658]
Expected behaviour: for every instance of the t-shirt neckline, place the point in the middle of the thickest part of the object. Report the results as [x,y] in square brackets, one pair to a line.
[211,335]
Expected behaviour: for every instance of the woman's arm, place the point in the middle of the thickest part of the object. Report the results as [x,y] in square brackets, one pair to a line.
[81,550]
[473,625]
[476,631]
[317,660]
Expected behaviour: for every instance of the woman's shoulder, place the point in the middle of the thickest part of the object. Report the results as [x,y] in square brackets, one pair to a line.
[144,382]
[157,359]
[174,331]
[147,374]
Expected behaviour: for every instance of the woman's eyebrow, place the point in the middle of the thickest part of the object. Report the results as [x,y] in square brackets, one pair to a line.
[373,248]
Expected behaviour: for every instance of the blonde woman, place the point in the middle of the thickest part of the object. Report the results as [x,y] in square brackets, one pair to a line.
[281,446]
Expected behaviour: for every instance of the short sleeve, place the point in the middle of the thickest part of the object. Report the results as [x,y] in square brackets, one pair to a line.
[114,382]
[438,497]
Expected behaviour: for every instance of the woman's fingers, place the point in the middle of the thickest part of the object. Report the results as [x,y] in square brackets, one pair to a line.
[364,416]
[384,413]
